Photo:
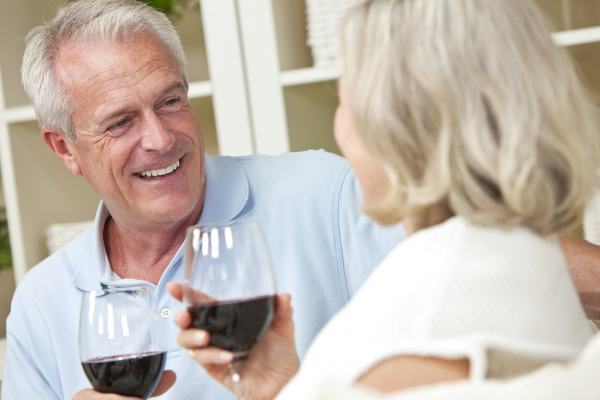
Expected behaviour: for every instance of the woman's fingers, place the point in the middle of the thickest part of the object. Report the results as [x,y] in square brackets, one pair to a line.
[211,356]
[183,319]
[166,382]
[176,290]
[282,322]
[193,338]
[197,340]
[284,307]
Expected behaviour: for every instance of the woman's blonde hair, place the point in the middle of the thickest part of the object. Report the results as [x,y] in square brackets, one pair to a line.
[469,104]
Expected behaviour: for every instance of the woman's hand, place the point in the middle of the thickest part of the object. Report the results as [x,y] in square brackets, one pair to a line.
[272,362]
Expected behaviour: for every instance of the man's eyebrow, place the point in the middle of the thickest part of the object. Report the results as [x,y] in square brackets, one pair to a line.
[171,87]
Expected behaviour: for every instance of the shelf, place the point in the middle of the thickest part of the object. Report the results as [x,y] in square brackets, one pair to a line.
[309,75]
[199,89]
[577,36]
[15,115]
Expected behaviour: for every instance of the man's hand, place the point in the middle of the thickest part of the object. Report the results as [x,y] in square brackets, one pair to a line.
[583,260]
[272,362]
[166,381]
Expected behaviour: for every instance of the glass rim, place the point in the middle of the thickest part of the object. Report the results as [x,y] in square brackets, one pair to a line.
[120,289]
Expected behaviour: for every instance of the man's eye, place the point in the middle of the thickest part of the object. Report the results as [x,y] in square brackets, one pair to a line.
[120,124]
[171,102]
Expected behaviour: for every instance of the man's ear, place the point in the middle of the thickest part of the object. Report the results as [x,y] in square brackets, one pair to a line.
[62,147]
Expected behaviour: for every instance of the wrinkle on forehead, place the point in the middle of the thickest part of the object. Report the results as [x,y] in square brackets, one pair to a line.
[106,79]
[114,71]
[81,65]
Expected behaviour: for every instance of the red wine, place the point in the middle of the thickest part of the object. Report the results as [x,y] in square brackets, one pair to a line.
[236,325]
[133,375]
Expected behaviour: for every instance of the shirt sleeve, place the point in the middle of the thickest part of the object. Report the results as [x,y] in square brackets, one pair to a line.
[363,243]
[23,379]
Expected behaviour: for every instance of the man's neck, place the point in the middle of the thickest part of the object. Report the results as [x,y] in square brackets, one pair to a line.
[144,254]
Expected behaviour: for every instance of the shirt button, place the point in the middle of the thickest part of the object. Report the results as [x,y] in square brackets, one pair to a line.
[165,313]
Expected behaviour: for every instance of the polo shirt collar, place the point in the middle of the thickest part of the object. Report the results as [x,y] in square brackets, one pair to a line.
[227,190]
[226,195]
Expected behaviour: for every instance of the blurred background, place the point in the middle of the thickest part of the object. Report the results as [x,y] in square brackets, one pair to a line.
[262,80]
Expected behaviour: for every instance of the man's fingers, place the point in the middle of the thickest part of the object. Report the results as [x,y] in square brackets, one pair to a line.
[192,338]
[176,290]
[212,356]
[166,382]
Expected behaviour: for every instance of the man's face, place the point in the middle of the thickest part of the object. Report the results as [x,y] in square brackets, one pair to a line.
[133,118]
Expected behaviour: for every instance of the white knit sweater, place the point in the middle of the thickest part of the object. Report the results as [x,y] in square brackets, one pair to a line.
[454,291]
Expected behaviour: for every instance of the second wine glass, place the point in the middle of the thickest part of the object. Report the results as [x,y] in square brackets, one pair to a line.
[122,342]
[229,288]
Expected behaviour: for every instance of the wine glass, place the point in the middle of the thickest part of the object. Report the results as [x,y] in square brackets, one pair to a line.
[122,343]
[229,288]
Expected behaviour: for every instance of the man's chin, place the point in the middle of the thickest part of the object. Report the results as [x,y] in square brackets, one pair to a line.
[166,217]
[165,213]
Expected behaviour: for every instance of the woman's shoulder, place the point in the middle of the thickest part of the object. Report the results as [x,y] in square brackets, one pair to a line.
[459,279]
[457,288]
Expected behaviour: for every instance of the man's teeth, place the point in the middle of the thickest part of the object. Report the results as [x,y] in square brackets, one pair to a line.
[161,171]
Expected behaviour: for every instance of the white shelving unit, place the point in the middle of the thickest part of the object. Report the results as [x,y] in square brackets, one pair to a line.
[304,76]
[278,62]
[253,87]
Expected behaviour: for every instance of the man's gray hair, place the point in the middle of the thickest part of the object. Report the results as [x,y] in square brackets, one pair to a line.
[86,22]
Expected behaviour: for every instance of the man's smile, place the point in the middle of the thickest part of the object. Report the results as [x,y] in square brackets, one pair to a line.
[159,172]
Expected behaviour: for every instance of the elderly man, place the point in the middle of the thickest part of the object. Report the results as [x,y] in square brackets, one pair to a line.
[107,80]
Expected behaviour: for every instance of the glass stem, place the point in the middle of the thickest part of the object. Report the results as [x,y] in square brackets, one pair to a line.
[236,368]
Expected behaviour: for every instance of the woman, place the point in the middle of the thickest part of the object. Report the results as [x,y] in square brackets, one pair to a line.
[461,119]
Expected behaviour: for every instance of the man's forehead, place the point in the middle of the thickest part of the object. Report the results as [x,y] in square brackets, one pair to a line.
[81,63]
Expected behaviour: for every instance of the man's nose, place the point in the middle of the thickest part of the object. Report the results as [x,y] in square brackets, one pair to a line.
[156,137]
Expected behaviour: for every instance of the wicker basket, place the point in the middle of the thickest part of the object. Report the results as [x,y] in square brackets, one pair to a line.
[57,235]
[323,22]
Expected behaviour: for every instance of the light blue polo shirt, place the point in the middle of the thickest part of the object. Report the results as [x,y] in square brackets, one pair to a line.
[322,250]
